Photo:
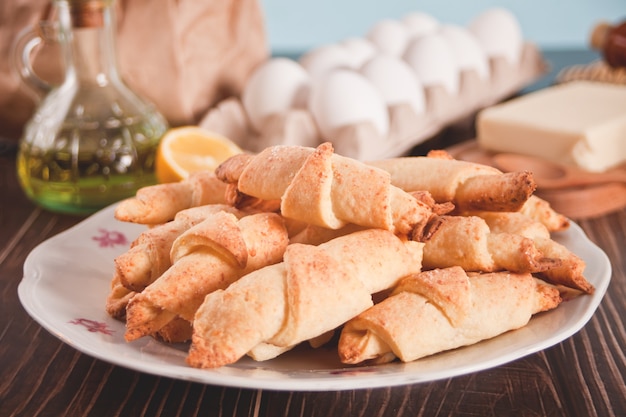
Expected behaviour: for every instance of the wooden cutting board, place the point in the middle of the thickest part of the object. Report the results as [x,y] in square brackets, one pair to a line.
[575,202]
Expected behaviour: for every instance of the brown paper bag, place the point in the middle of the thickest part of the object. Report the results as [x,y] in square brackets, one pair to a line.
[16,101]
[182,55]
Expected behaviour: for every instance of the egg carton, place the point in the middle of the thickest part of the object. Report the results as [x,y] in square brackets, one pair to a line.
[286,102]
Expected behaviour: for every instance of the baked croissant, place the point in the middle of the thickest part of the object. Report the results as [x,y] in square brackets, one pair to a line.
[515,223]
[443,309]
[470,186]
[149,255]
[159,203]
[540,210]
[118,298]
[207,257]
[178,330]
[325,189]
[571,271]
[313,291]
[469,243]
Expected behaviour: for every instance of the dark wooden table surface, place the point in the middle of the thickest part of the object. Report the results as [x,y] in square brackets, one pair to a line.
[584,375]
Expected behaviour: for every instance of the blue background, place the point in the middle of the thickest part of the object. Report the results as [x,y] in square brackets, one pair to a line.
[296,26]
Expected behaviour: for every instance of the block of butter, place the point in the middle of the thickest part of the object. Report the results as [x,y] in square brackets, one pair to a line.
[579,123]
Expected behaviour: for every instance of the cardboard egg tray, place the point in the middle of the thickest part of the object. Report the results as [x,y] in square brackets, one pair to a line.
[407,129]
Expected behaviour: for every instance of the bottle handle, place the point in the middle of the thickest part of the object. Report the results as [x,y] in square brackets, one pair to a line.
[25,45]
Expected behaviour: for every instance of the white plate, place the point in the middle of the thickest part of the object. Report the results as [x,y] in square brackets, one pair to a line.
[67,278]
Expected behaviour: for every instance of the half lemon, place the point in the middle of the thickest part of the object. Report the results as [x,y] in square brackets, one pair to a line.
[188,149]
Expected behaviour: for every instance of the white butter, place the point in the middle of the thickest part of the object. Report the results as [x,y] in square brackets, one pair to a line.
[579,123]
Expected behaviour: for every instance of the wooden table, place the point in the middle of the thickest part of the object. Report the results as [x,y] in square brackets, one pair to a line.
[584,375]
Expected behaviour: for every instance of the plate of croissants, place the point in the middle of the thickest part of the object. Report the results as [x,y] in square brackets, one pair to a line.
[296,268]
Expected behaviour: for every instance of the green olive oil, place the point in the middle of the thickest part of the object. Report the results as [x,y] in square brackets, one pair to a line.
[88,169]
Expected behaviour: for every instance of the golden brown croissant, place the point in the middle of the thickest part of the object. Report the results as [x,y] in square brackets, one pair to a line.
[207,257]
[178,330]
[118,298]
[540,210]
[443,309]
[469,243]
[149,255]
[159,203]
[470,186]
[571,271]
[515,223]
[325,189]
[314,290]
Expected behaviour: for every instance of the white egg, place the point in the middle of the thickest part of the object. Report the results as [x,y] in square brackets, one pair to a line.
[343,98]
[396,81]
[431,58]
[325,58]
[467,51]
[276,86]
[360,50]
[420,24]
[499,33]
[390,36]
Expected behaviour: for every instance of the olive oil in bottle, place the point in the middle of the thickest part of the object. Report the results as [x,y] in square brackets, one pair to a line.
[88,169]
[91,141]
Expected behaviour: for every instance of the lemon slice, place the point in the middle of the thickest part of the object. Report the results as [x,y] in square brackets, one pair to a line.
[188,149]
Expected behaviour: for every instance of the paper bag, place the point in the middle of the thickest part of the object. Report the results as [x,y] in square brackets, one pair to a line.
[182,55]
